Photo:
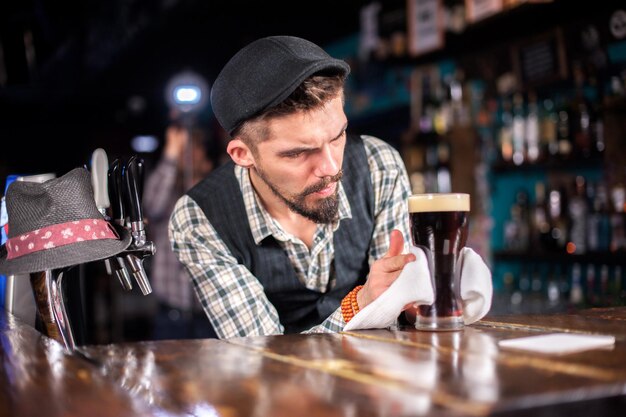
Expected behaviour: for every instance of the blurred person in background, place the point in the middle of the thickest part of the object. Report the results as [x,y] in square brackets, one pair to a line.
[179,314]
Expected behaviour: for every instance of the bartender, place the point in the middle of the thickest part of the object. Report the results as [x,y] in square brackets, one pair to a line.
[307,224]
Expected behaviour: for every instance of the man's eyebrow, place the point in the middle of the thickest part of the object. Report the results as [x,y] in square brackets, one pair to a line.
[295,151]
[343,130]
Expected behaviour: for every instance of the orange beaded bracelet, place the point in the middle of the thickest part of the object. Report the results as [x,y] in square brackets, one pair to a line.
[349,304]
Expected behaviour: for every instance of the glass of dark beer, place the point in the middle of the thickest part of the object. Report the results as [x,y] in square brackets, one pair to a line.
[439,226]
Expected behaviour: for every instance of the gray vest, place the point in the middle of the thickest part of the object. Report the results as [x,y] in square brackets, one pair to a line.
[299,308]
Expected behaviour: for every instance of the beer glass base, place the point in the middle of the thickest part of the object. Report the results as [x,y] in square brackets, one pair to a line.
[439,324]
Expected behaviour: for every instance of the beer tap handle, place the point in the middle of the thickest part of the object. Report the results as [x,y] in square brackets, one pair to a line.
[133,181]
[99,183]
[115,193]
[140,177]
[99,167]
[116,265]
[132,174]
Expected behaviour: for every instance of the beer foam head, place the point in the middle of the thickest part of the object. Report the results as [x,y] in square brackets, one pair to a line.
[420,203]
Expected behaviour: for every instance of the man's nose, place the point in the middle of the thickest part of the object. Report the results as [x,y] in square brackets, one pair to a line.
[328,163]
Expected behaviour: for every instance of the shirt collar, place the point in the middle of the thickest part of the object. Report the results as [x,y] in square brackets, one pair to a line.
[262,224]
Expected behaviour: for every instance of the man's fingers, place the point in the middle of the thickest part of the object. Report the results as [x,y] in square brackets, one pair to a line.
[396,263]
[396,244]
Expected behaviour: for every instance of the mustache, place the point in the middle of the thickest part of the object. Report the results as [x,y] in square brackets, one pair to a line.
[323,183]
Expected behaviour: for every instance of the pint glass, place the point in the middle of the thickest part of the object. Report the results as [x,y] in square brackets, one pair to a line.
[439,226]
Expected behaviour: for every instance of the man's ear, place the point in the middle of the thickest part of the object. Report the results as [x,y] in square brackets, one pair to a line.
[240,153]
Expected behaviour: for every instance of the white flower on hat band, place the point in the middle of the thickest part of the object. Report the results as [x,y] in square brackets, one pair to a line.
[36,232]
[48,245]
[31,245]
[24,237]
[47,235]
[66,233]
[16,248]
[87,228]
[79,239]
[93,236]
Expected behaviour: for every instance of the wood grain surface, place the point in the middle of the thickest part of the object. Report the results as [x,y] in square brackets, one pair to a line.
[385,372]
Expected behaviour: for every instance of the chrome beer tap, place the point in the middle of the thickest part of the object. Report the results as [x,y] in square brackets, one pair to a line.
[140,248]
[100,182]
[117,264]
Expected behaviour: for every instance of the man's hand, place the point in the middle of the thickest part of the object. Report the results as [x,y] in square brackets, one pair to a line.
[176,138]
[385,270]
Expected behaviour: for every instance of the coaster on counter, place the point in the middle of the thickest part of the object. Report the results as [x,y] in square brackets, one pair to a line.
[559,343]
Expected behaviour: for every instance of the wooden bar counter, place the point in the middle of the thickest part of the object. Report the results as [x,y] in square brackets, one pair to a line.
[362,373]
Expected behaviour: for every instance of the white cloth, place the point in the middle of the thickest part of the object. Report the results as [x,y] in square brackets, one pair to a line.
[415,286]
[476,286]
[412,286]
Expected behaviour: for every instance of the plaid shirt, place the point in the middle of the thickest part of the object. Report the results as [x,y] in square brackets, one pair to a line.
[232,297]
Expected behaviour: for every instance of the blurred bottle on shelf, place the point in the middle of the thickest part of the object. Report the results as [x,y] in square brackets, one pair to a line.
[563,133]
[548,127]
[577,209]
[619,295]
[605,293]
[505,131]
[537,297]
[563,282]
[582,124]
[444,179]
[602,217]
[593,218]
[576,290]
[553,290]
[516,229]
[531,129]
[518,130]
[617,222]
[597,128]
[540,226]
[591,298]
[524,280]
[559,221]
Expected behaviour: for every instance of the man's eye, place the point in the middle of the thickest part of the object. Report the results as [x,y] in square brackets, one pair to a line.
[340,137]
[293,155]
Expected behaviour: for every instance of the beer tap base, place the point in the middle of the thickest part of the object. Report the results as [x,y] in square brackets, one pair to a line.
[49,296]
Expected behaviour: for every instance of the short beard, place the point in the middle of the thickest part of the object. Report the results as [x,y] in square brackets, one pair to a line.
[327,208]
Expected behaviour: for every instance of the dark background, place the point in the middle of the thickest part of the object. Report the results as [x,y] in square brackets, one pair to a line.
[100,67]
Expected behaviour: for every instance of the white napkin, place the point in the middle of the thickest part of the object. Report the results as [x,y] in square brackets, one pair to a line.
[414,286]
[476,286]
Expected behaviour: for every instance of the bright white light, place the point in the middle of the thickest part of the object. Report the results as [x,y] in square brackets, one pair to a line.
[187,94]
[144,143]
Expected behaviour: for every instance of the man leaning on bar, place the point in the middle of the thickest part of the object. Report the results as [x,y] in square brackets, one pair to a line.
[307,225]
